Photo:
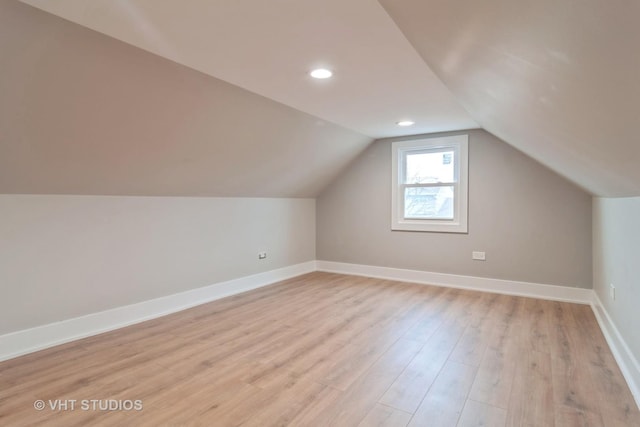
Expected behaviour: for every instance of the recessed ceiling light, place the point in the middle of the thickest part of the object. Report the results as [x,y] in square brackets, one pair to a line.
[321,73]
[405,123]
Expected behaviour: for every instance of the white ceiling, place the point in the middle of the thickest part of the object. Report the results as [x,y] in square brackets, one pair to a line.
[268,47]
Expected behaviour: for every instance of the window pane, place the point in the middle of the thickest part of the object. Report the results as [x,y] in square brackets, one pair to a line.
[428,202]
[429,168]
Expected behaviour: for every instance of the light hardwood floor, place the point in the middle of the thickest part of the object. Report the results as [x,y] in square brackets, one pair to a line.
[333,350]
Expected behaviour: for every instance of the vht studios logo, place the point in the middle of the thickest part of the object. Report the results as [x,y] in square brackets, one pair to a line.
[88,405]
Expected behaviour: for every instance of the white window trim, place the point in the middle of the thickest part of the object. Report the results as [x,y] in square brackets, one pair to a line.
[459,143]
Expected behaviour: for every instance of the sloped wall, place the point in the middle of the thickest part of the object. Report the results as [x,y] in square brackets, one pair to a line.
[83,113]
[558,82]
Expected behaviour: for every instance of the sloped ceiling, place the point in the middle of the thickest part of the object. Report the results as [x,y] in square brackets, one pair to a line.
[557,79]
[268,47]
[82,113]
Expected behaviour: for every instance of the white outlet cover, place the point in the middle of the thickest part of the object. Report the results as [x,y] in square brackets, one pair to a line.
[478,256]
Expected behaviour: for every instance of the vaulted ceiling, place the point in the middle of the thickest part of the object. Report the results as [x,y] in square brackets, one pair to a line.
[213,97]
[269,47]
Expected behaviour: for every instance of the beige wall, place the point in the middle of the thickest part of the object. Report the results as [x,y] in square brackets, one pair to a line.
[616,256]
[534,225]
[67,256]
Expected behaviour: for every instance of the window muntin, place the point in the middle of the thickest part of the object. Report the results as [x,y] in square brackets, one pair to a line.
[430,184]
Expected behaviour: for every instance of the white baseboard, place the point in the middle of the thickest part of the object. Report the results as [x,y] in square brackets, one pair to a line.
[624,357]
[41,337]
[626,360]
[29,340]
[508,287]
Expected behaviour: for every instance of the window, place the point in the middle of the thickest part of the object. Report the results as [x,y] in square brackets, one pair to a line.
[430,184]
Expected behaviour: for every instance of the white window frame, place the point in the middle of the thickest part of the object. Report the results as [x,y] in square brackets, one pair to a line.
[460,145]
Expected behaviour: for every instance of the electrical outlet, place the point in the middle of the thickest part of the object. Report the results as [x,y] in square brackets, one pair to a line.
[612,291]
[478,256]
[262,255]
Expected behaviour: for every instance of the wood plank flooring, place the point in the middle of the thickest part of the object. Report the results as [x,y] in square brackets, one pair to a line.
[333,350]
